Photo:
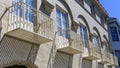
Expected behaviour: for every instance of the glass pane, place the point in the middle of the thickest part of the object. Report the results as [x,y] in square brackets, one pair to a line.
[29,2]
[58,22]
[59,30]
[61,23]
[16,9]
[95,40]
[29,10]
[57,13]
[64,17]
[64,24]
[83,35]
[114,34]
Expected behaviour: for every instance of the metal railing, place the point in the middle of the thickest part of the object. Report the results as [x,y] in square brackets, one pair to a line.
[105,56]
[68,38]
[76,41]
[61,39]
[111,59]
[94,50]
[22,15]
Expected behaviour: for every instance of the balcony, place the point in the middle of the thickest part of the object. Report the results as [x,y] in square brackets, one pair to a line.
[69,42]
[104,57]
[113,60]
[26,23]
[93,52]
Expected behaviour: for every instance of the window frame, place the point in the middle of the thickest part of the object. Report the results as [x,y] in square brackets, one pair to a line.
[118,51]
[114,34]
[62,27]
[25,12]
[81,2]
[92,9]
[84,34]
[96,40]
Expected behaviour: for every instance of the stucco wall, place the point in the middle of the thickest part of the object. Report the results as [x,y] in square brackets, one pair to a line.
[44,51]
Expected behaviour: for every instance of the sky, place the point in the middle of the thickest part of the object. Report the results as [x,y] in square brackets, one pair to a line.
[112,7]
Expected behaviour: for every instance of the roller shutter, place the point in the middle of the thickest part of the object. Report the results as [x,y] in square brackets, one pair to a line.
[63,60]
[109,66]
[100,65]
[86,63]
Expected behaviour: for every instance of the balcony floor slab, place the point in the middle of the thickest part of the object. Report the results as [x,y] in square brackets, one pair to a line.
[28,36]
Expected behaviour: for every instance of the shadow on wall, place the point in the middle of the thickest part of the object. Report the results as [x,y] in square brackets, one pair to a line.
[16,66]
[46,7]
[42,8]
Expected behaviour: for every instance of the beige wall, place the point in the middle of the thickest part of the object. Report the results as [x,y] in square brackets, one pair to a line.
[44,51]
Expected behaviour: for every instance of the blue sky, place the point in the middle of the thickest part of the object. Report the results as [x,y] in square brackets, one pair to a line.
[112,7]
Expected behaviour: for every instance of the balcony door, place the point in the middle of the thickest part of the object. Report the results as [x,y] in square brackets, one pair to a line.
[23,10]
[83,35]
[61,19]
[21,15]
[29,10]
[96,40]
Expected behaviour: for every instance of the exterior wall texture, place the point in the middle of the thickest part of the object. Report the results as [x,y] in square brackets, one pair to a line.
[47,54]
[113,22]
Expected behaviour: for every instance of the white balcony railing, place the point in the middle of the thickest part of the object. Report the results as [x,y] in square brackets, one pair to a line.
[93,52]
[104,57]
[24,16]
[69,41]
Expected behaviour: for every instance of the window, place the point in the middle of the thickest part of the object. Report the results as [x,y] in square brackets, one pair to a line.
[119,32]
[22,10]
[102,19]
[92,7]
[95,40]
[16,9]
[114,34]
[81,2]
[104,45]
[29,10]
[83,35]
[117,53]
[61,23]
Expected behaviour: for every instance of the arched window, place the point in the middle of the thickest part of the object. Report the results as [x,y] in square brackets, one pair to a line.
[61,19]
[95,39]
[83,34]
[104,45]
[84,30]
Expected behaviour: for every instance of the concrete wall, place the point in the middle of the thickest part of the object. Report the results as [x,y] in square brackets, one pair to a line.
[4,21]
[44,52]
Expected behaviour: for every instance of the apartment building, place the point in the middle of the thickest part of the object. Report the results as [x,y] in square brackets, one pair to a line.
[114,36]
[54,34]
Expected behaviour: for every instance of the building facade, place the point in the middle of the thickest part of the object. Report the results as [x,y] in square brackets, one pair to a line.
[54,34]
[114,34]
